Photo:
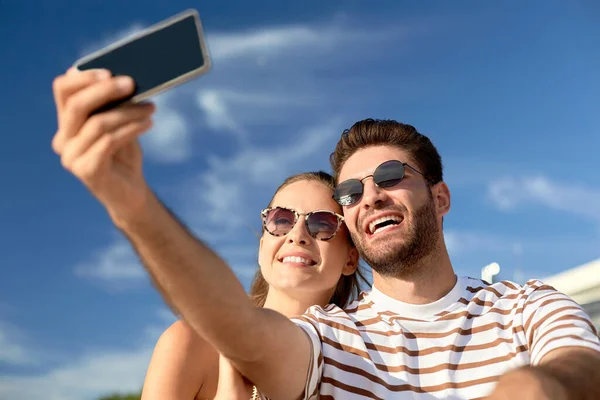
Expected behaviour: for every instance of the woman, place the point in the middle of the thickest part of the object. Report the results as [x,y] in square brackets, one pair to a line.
[306,257]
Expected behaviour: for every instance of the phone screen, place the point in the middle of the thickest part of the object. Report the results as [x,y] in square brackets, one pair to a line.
[158,58]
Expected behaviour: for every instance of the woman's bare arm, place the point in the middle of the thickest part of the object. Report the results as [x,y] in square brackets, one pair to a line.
[183,366]
[232,385]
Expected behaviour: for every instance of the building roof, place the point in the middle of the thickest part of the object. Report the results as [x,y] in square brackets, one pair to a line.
[581,283]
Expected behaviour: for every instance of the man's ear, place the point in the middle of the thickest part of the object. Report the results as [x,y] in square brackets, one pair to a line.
[351,263]
[441,196]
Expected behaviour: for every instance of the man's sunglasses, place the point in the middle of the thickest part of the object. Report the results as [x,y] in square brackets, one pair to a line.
[386,175]
[321,224]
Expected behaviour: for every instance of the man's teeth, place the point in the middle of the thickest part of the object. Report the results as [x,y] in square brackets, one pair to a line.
[373,225]
[299,260]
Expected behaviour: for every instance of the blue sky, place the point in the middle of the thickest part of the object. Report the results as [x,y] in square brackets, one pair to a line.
[507,92]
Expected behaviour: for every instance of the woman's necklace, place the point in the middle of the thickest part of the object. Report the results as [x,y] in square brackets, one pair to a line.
[255,395]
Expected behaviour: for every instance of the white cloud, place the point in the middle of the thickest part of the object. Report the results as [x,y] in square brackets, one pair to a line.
[226,189]
[268,43]
[271,89]
[93,374]
[265,76]
[509,193]
[216,112]
[168,141]
[261,42]
[12,350]
[114,266]
[266,80]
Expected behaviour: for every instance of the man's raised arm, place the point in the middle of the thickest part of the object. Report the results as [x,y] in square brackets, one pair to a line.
[102,151]
[200,286]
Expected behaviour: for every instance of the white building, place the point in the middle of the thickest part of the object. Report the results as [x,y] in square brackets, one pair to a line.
[582,284]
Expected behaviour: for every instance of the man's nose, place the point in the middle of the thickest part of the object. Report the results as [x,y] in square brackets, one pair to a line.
[373,195]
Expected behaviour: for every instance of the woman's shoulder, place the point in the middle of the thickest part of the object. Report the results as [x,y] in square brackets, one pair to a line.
[183,363]
[182,333]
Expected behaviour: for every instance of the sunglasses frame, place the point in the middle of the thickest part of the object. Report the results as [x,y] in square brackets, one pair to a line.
[361,181]
[297,215]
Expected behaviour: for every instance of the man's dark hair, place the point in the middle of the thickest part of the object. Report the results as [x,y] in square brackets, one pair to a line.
[374,132]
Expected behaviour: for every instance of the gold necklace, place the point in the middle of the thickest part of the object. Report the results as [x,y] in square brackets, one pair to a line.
[255,395]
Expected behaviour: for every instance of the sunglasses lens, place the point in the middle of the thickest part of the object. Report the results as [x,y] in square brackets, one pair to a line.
[348,192]
[389,174]
[279,221]
[322,224]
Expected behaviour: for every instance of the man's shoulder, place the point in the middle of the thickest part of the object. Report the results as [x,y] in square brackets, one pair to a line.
[333,313]
[504,298]
[510,290]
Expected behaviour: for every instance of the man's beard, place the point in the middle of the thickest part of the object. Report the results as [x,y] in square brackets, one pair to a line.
[392,260]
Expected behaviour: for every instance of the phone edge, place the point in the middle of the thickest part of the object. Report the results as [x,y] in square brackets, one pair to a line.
[169,21]
[134,36]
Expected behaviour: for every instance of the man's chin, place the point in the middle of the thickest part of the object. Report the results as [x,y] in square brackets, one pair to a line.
[385,250]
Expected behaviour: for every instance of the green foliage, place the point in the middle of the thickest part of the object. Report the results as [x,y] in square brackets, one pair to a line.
[116,396]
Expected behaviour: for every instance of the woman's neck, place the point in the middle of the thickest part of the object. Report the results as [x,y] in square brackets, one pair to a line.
[295,304]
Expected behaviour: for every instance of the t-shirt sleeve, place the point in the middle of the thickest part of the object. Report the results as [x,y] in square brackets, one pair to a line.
[315,369]
[553,320]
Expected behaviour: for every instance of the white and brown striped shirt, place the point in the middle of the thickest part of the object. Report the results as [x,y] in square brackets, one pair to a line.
[454,348]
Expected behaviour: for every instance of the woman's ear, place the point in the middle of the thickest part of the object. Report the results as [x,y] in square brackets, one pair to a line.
[351,263]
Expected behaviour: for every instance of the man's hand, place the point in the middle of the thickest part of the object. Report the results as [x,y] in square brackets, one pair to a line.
[528,383]
[102,150]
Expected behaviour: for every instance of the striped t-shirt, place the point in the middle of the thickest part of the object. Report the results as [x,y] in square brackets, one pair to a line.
[454,348]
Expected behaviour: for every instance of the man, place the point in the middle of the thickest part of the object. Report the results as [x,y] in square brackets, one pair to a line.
[421,333]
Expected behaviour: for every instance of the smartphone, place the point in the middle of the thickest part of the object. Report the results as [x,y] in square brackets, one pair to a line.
[160,57]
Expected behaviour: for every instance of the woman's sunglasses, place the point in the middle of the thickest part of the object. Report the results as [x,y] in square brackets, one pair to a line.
[322,225]
[386,175]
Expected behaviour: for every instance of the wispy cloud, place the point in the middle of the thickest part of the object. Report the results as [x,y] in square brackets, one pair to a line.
[263,82]
[168,141]
[262,42]
[263,79]
[92,374]
[267,43]
[229,189]
[578,199]
[12,349]
[217,113]
[115,267]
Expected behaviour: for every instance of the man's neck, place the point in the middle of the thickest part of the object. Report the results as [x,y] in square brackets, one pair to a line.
[292,305]
[429,281]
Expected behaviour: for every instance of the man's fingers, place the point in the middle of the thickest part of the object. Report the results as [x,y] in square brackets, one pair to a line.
[126,133]
[104,123]
[88,165]
[73,81]
[81,104]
